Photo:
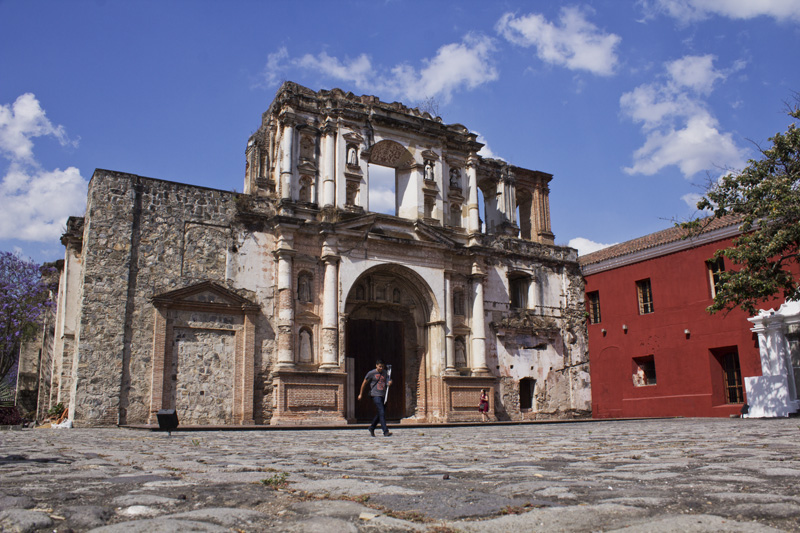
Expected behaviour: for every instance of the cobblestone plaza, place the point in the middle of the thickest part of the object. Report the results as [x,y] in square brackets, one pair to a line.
[636,475]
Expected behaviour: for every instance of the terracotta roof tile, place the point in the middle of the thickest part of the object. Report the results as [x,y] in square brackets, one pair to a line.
[654,239]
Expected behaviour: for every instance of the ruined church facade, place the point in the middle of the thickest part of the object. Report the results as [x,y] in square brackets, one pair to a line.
[269,306]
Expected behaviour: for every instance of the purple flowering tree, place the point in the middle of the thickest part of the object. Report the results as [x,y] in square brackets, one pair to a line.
[23,300]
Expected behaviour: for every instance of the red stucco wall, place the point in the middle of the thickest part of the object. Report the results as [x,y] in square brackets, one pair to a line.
[689,377]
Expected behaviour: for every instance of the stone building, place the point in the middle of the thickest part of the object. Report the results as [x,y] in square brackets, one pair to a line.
[269,307]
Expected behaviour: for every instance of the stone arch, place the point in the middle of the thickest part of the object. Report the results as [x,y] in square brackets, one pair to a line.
[405,331]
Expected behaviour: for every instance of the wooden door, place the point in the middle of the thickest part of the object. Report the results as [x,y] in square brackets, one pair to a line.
[367,341]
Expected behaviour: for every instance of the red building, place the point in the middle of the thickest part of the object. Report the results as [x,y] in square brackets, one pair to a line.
[654,350]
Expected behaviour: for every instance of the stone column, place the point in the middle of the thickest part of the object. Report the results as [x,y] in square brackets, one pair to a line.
[285,333]
[536,226]
[474,222]
[511,201]
[478,324]
[450,356]
[287,144]
[330,310]
[546,208]
[329,167]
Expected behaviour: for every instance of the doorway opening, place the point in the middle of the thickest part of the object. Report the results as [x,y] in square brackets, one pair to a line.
[368,341]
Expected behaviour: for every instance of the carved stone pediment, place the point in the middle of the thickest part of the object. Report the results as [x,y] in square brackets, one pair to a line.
[205,296]
[307,167]
[430,154]
[353,137]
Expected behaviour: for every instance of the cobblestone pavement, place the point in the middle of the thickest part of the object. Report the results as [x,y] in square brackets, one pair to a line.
[654,475]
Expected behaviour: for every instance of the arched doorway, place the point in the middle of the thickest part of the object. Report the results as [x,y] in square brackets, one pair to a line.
[388,312]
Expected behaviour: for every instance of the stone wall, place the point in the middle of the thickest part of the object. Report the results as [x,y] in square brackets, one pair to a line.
[143,237]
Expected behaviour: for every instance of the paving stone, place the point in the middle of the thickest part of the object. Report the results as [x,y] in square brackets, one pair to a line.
[648,475]
[23,520]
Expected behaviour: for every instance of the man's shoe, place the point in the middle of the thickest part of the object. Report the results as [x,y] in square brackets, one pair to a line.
[372,432]
[387,434]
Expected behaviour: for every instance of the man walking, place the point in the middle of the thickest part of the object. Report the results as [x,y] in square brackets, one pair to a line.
[378,383]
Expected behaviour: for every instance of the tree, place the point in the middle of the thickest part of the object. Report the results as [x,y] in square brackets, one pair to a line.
[766,195]
[23,300]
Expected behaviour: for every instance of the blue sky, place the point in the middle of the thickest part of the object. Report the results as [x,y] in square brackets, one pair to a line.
[632,106]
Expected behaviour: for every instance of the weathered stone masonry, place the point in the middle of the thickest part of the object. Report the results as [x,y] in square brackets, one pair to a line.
[268,307]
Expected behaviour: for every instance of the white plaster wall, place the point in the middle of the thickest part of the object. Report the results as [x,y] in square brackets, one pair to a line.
[550,288]
[252,267]
[495,288]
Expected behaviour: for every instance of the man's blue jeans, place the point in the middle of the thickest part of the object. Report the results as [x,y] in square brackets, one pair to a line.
[380,416]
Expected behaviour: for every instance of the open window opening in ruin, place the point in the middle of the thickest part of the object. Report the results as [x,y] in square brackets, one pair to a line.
[481,212]
[644,371]
[519,286]
[527,394]
[382,190]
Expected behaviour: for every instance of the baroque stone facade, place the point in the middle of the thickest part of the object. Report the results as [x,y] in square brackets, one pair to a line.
[269,307]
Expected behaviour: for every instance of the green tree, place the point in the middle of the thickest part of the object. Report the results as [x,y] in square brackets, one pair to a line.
[766,195]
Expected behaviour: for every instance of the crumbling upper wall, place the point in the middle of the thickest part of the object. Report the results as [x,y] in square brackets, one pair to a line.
[314,149]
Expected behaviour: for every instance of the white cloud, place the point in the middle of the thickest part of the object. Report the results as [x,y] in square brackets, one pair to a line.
[574,43]
[585,246]
[36,202]
[695,147]
[456,66]
[691,199]
[679,128]
[693,10]
[695,72]
[486,151]
[356,71]
[20,122]
[276,66]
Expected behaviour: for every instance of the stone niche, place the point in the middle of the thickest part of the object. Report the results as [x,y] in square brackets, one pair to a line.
[203,356]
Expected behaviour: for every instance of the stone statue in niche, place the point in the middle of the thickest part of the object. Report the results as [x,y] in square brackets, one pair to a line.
[461,354]
[428,170]
[305,189]
[351,193]
[305,346]
[455,215]
[352,156]
[455,178]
